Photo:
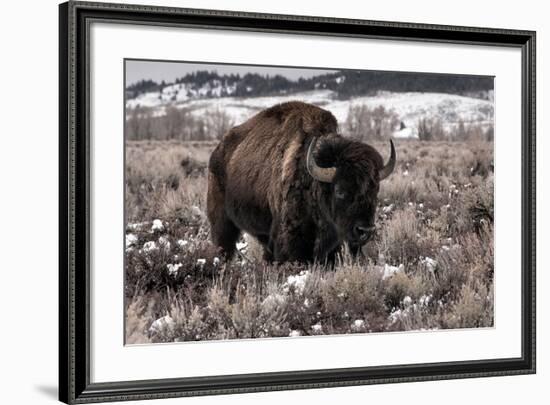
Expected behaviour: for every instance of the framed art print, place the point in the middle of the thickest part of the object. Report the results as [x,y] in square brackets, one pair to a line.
[255,202]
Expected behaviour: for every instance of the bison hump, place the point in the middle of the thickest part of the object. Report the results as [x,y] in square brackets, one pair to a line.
[294,115]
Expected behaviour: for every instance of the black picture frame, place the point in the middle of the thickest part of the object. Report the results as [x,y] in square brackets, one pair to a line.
[74,203]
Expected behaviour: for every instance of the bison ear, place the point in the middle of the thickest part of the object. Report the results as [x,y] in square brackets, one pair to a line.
[326,154]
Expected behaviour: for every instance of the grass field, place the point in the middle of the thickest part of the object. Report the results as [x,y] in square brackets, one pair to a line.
[429,267]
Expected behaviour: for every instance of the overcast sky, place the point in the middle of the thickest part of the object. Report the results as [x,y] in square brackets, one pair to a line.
[170,71]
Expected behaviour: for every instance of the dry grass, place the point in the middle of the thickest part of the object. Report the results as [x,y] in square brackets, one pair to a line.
[430,266]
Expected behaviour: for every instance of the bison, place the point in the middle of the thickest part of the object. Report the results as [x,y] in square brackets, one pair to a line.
[289,179]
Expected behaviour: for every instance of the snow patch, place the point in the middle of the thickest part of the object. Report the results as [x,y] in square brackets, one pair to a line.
[430,264]
[157,226]
[358,325]
[388,271]
[298,282]
[317,328]
[164,242]
[150,246]
[173,268]
[241,246]
[131,240]
[162,325]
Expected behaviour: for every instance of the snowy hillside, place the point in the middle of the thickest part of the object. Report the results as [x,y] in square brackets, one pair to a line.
[410,107]
[181,92]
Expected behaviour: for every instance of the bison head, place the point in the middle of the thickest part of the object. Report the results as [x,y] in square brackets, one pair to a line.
[350,173]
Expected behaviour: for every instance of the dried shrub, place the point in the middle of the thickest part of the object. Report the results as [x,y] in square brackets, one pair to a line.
[368,124]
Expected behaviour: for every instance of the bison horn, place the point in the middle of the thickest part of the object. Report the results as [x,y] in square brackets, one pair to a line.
[324,174]
[388,169]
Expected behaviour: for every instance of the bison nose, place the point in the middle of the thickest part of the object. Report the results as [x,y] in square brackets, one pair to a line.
[363,232]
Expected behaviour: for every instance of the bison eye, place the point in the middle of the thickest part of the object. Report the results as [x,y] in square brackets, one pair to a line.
[339,193]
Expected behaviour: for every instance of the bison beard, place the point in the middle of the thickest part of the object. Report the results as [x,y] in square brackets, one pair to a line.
[287,178]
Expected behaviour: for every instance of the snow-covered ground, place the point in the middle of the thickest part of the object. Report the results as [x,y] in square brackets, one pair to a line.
[409,107]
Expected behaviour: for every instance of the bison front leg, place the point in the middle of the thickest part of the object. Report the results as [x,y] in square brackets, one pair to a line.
[290,242]
[326,245]
[267,246]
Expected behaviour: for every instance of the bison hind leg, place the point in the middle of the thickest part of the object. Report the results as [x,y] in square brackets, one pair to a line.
[225,235]
[223,231]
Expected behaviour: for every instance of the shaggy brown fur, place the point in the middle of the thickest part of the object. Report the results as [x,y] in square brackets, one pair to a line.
[258,183]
